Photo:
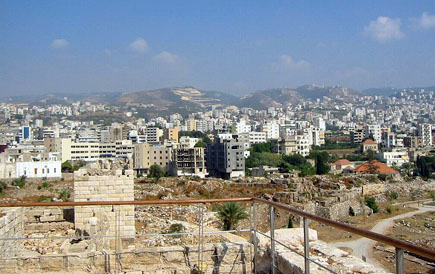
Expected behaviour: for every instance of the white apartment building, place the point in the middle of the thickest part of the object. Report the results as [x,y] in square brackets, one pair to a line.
[271,129]
[374,130]
[243,127]
[188,142]
[425,135]
[395,157]
[31,165]
[257,137]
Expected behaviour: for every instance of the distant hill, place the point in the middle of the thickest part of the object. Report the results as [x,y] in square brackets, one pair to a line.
[64,98]
[283,96]
[387,91]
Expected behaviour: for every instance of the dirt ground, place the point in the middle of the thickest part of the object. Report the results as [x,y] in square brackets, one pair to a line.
[329,234]
[419,229]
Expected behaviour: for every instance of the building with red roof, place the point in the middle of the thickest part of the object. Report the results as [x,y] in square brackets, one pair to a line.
[375,166]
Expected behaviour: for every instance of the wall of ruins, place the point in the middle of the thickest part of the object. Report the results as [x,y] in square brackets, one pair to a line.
[11,226]
[217,258]
[105,220]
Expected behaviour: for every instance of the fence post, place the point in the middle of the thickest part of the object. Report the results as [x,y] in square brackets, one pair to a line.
[272,238]
[306,245]
[254,213]
[400,269]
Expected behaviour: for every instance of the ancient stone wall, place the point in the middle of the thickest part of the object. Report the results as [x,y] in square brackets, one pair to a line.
[40,219]
[11,226]
[217,258]
[105,220]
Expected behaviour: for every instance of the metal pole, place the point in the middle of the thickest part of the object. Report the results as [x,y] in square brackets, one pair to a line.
[272,238]
[254,205]
[400,268]
[306,245]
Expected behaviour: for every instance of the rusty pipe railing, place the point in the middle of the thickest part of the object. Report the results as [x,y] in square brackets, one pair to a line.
[424,252]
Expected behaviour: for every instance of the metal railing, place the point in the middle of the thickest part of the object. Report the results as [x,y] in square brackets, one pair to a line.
[399,245]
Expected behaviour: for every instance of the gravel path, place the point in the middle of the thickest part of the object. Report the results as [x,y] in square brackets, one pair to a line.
[364,246]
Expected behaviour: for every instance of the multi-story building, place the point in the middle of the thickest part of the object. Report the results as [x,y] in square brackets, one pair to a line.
[425,135]
[271,129]
[375,131]
[297,144]
[396,157]
[188,162]
[146,155]
[225,159]
[153,134]
[171,134]
[357,135]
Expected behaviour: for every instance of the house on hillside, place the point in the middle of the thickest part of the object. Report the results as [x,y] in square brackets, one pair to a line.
[374,166]
[341,165]
[369,145]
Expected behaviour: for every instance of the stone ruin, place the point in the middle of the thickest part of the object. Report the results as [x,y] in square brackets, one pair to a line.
[112,220]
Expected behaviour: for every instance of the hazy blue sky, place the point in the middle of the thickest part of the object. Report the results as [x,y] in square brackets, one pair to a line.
[231,46]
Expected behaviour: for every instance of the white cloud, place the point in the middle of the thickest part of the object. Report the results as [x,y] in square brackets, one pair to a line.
[59,43]
[139,45]
[166,57]
[384,29]
[426,21]
[287,61]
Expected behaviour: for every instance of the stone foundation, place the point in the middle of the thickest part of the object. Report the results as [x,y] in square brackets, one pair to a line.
[105,220]
[217,258]
[11,226]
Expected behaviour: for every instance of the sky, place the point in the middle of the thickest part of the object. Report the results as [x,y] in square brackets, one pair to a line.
[236,47]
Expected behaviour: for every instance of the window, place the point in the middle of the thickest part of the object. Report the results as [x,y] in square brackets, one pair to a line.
[36,171]
[54,170]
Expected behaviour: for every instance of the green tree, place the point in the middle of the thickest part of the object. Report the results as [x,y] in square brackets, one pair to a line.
[321,160]
[66,167]
[371,202]
[200,143]
[156,172]
[230,214]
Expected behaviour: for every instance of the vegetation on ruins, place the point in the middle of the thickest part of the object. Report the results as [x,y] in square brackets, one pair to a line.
[68,167]
[371,203]
[321,162]
[230,214]
[3,186]
[64,195]
[19,182]
[156,172]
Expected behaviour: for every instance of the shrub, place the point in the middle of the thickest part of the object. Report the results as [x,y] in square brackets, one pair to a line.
[432,195]
[389,209]
[290,222]
[64,194]
[371,202]
[175,228]
[351,211]
[2,187]
[394,195]
[156,172]
[230,214]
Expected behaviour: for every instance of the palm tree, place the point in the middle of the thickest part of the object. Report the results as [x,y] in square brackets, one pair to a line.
[230,214]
